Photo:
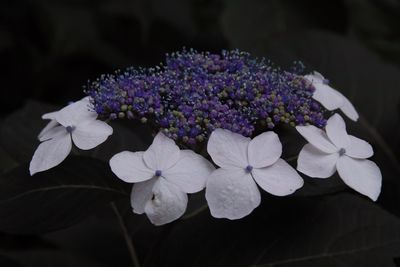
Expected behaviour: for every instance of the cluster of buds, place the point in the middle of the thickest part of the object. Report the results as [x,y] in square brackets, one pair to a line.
[195,93]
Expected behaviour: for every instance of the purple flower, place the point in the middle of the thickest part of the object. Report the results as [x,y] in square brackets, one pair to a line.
[195,93]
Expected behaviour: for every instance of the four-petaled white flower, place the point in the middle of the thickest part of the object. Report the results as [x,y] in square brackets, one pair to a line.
[330,98]
[163,175]
[74,123]
[336,150]
[231,191]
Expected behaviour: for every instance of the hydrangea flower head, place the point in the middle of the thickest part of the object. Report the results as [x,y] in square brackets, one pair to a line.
[196,93]
[229,101]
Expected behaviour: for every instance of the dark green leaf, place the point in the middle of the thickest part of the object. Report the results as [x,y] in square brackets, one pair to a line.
[197,204]
[6,162]
[253,26]
[97,237]
[126,136]
[319,187]
[56,198]
[19,131]
[397,261]
[80,35]
[178,13]
[376,24]
[10,242]
[51,258]
[6,40]
[267,18]
[341,230]
[7,262]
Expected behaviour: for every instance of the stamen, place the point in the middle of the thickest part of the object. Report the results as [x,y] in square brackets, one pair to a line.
[158,173]
[70,129]
[342,151]
[249,168]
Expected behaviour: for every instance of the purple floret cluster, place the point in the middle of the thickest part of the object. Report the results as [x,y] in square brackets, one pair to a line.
[194,93]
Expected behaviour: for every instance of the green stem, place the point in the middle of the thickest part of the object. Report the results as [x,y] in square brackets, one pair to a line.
[128,240]
[195,213]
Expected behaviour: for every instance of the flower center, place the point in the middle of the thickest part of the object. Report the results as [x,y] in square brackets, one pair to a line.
[325,81]
[342,151]
[249,168]
[70,129]
[158,173]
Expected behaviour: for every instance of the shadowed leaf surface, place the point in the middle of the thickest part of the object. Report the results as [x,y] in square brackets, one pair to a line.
[51,258]
[341,230]
[7,262]
[19,131]
[56,198]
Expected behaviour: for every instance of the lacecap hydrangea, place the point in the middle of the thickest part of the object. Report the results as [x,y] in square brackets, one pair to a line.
[194,93]
[229,102]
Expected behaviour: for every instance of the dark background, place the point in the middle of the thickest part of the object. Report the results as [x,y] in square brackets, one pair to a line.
[48,51]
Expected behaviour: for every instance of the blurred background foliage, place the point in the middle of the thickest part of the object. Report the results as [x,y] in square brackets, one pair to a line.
[48,51]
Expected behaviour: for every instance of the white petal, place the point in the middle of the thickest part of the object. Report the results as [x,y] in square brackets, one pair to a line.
[315,77]
[51,132]
[317,137]
[228,149]
[162,154]
[315,163]
[50,153]
[142,193]
[362,175]
[231,194]
[324,94]
[90,134]
[49,126]
[279,179]
[264,150]
[359,148]
[75,113]
[167,204]
[327,96]
[130,167]
[87,100]
[348,109]
[190,173]
[50,116]
[336,131]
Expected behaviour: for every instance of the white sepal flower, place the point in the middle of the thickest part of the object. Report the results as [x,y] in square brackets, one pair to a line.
[330,98]
[232,191]
[75,123]
[163,175]
[336,150]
